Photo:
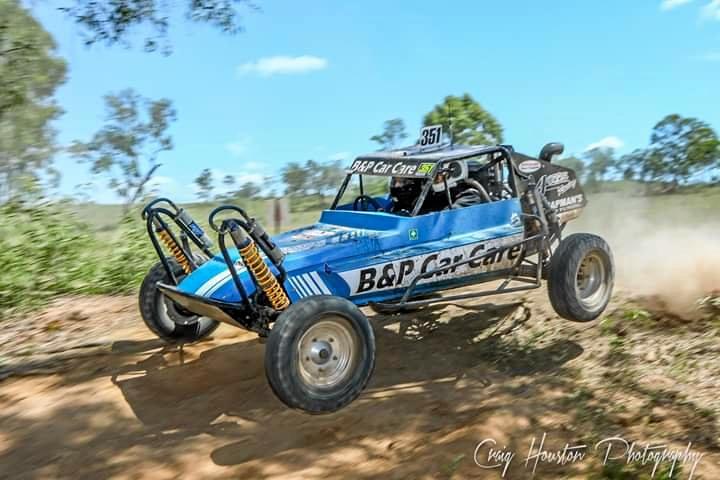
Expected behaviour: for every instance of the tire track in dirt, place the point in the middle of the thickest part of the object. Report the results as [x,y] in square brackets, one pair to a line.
[446,378]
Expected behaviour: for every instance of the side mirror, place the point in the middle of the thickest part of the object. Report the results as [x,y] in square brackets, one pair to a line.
[550,150]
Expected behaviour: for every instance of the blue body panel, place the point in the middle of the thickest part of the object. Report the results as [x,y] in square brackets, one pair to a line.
[373,256]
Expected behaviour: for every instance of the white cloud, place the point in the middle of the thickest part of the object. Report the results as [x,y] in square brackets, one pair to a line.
[607,142]
[711,11]
[283,65]
[666,5]
[252,166]
[158,180]
[339,156]
[238,147]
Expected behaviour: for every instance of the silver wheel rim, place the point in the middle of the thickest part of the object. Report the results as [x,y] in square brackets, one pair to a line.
[591,283]
[327,353]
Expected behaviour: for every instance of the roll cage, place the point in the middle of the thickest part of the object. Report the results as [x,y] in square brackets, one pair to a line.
[439,158]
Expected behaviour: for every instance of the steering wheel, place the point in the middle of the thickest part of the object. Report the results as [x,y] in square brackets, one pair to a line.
[364,200]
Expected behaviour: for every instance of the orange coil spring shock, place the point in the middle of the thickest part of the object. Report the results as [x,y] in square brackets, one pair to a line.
[267,281]
[175,249]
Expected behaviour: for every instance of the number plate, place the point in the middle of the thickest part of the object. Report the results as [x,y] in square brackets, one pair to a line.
[430,136]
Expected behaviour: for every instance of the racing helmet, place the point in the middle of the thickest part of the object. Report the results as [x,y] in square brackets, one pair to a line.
[404,192]
[455,172]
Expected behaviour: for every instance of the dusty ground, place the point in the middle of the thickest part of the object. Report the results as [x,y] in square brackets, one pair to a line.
[119,404]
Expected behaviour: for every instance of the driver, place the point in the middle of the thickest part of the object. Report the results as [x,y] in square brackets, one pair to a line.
[464,192]
[404,192]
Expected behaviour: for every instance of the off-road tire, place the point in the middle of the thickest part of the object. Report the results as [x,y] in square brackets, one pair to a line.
[565,279]
[285,353]
[154,310]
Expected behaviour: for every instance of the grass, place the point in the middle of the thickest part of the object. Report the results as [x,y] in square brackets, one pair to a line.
[104,219]
[85,248]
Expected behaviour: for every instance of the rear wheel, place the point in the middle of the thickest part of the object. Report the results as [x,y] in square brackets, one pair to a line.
[581,275]
[164,317]
[320,354]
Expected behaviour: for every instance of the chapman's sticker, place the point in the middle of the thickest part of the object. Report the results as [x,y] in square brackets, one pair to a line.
[399,273]
[567,203]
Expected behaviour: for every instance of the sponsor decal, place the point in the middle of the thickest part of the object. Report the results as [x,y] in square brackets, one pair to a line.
[425,168]
[563,189]
[399,273]
[558,181]
[529,166]
[557,178]
[313,234]
[310,241]
[567,203]
[413,234]
[396,168]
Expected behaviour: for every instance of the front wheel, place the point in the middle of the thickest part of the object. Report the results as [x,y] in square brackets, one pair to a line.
[320,354]
[580,278]
[164,317]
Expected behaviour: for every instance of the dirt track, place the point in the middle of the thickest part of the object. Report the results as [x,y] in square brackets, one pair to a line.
[122,405]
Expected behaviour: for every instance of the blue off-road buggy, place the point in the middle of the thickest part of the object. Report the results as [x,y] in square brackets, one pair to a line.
[455,216]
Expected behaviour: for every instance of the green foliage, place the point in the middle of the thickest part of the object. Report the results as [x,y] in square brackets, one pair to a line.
[126,259]
[127,146]
[313,178]
[205,184]
[393,133]
[710,305]
[47,251]
[683,146]
[29,74]
[112,21]
[471,123]
[574,163]
[680,148]
[600,162]
[43,251]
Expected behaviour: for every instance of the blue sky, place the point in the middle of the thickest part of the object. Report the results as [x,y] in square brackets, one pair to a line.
[315,79]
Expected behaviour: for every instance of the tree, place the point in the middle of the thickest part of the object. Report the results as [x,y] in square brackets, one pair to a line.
[229,181]
[205,185]
[126,149]
[112,21]
[469,122]
[295,178]
[332,175]
[312,178]
[29,74]
[680,148]
[393,133]
[600,162]
[574,163]
[248,190]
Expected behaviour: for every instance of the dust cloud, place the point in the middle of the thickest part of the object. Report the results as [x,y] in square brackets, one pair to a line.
[665,248]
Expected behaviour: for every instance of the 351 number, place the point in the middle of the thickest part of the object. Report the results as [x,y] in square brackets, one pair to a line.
[431,135]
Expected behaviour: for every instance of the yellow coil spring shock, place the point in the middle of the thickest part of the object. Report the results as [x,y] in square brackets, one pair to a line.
[175,249]
[267,281]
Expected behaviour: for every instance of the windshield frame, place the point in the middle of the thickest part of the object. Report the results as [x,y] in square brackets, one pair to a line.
[431,175]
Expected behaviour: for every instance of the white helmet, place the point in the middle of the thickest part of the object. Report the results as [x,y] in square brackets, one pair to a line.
[457,171]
